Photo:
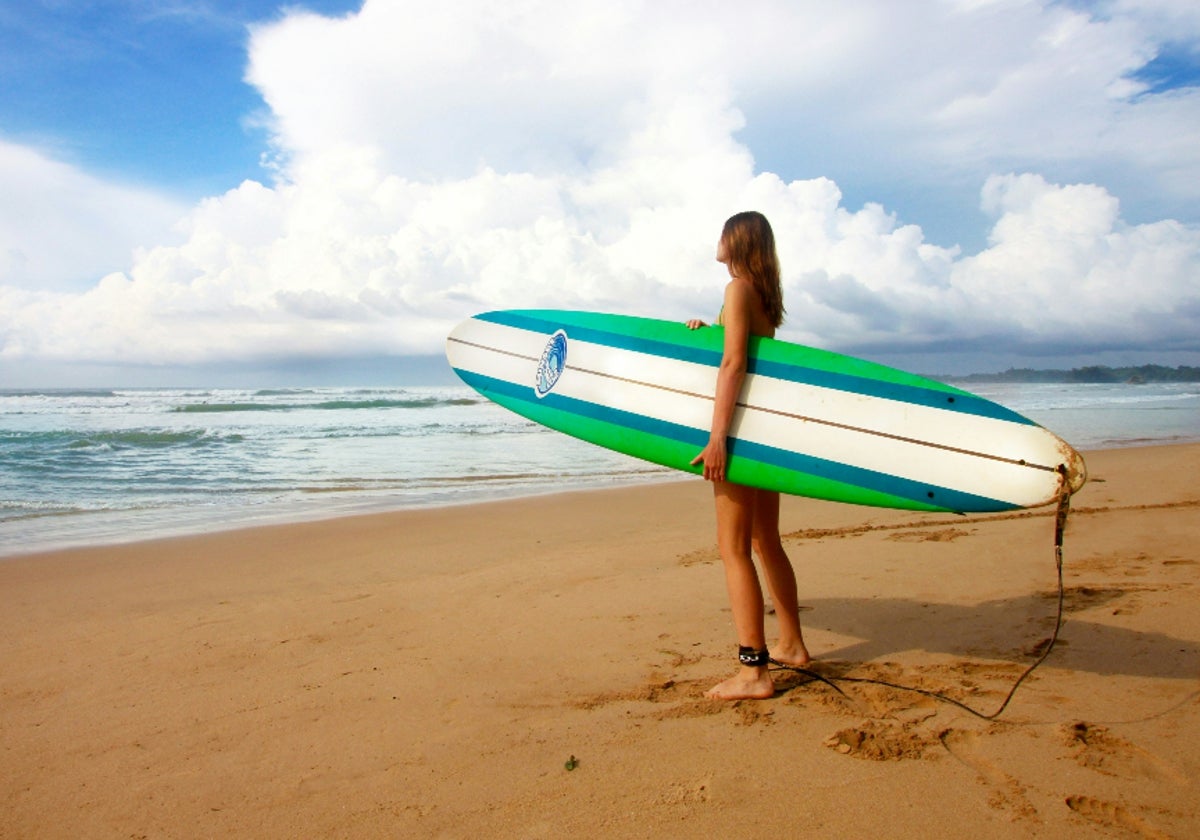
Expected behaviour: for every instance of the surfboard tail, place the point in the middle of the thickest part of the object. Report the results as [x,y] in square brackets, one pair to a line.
[1072,468]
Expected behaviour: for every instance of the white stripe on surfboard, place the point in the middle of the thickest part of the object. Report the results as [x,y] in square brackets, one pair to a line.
[966,471]
[903,422]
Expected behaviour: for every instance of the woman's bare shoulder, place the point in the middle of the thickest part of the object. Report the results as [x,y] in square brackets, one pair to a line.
[742,298]
[740,291]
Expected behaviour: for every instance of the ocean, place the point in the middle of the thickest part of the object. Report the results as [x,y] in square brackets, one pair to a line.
[81,467]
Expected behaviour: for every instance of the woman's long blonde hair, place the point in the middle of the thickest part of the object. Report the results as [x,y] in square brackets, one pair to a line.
[750,246]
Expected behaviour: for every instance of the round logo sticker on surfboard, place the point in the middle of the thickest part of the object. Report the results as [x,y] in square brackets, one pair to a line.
[550,367]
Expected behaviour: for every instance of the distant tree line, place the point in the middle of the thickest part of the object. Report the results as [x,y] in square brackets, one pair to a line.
[1092,374]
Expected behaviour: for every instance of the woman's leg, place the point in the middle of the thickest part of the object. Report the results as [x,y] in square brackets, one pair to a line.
[735,523]
[781,579]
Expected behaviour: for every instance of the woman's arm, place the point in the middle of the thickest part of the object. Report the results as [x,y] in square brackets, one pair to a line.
[730,376]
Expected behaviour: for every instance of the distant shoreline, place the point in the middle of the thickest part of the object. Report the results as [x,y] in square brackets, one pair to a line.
[1091,374]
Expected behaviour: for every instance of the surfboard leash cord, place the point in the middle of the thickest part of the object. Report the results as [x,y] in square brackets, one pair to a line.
[1060,526]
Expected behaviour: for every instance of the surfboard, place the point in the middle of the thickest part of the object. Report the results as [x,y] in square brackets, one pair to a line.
[809,422]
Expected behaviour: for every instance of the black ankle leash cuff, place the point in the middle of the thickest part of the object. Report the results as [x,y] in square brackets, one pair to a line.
[753,658]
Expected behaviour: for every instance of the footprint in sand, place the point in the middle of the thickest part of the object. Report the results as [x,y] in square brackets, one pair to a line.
[1112,815]
[699,556]
[1098,749]
[935,535]
[1005,792]
[687,793]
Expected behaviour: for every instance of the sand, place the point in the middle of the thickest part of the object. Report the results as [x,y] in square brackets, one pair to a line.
[536,668]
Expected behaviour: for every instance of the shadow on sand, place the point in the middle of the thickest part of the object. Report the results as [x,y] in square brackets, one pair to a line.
[890,625]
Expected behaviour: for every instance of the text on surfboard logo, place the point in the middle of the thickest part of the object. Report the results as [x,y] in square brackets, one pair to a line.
[550,367]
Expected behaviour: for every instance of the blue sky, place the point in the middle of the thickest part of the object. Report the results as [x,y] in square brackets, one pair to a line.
[956,185]
[148,92]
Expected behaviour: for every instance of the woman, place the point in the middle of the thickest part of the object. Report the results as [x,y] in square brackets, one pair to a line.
[747,517]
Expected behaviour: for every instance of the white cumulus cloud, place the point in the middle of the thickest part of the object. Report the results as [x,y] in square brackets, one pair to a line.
[60,225]
[436,161]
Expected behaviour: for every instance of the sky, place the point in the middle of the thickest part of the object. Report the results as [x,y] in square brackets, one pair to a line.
[243,191]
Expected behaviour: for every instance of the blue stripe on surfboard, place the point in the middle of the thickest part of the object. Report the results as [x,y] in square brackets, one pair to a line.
[915,491]
[961,403]
[621,341]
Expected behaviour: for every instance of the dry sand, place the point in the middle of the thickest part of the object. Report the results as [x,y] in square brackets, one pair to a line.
[431,674]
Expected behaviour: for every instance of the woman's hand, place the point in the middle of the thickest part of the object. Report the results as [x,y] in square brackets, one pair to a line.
[695,324]
[715,457]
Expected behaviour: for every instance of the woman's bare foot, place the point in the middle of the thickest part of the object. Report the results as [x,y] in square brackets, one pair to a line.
[748,684]
[795,655]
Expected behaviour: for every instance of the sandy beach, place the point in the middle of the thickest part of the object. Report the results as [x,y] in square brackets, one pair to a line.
[536,668]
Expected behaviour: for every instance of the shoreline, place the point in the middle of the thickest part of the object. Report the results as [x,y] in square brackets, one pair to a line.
[165,523]
[160,523]
[431,673]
